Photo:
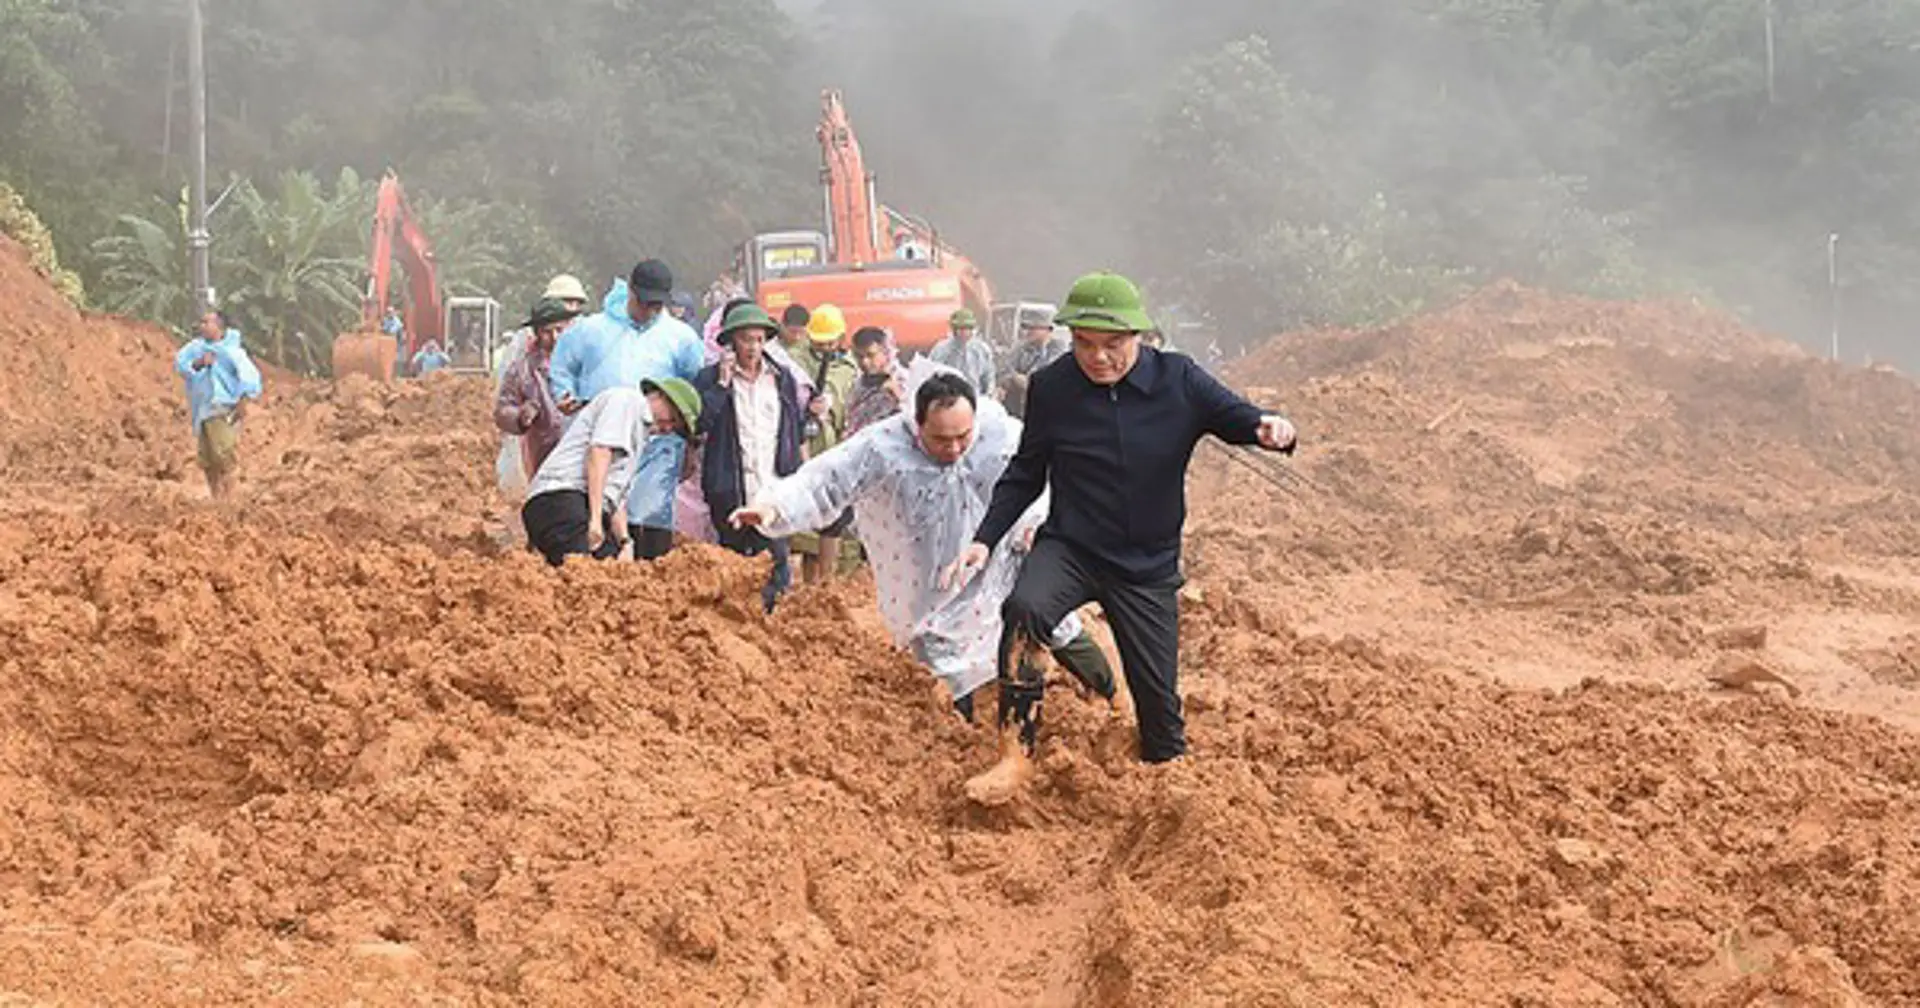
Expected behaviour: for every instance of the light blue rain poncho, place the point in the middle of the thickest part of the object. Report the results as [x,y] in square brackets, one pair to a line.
[915,516]
[607,350]
[216,389]
[430,359]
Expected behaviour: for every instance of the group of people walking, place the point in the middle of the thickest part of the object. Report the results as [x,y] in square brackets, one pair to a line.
[987,525]
[986,531]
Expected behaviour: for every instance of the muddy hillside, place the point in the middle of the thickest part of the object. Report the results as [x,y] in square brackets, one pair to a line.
[1458,737]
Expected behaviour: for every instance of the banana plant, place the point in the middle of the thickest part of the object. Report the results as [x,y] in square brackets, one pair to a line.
[290,265]
[143,270]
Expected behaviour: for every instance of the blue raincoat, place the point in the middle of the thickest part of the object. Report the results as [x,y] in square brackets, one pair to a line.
[607,350]
[217,388]
[430,359]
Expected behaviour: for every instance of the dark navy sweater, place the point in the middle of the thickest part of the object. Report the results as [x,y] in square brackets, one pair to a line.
[1117,458]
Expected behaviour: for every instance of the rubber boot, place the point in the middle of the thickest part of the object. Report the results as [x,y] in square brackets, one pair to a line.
[651,543]
[1083,658]
[1020,702]
[780,578]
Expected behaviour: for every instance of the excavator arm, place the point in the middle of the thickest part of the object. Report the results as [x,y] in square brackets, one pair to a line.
[864,275]
[852,212]
[396,235]
[861,231]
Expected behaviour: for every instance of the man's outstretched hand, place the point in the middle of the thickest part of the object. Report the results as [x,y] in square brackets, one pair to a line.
[758,516]
[963,569]
[1277,434]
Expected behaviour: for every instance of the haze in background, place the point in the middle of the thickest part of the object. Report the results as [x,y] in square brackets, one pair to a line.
[1268,165]
[1280,164]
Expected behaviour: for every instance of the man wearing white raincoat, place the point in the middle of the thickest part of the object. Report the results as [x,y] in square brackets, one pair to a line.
[919,483]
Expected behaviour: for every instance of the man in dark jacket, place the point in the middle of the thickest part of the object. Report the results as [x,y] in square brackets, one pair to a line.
[1111,427]
[751,421]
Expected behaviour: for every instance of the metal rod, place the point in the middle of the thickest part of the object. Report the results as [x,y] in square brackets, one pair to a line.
[214,207]
[199,241]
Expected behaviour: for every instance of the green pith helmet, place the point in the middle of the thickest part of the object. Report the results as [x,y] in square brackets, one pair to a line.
[681,394]
[746,316]
[962,318]
[549,310]
[1103,301]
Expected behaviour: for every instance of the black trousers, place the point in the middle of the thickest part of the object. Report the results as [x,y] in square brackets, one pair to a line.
[650,543]
[1058,578]
[749,542]
[556,524]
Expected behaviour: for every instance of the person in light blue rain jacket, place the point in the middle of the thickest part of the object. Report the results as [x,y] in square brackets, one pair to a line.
[430,359]
[220,378]
[633,339]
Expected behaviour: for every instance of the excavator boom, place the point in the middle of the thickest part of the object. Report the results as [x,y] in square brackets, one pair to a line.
[864,272]
[853,236]
[396,234]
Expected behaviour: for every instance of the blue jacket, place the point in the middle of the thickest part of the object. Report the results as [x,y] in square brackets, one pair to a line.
[1116,458]
[216,389]
[427,362]
[607,350]
[723,474]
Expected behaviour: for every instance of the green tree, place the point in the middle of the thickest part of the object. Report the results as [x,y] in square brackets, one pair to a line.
[142,269]
[289,264]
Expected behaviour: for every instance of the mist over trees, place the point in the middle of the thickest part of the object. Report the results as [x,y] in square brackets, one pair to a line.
[1267,164]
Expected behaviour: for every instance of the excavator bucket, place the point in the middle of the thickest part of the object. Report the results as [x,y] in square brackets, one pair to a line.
[372,354]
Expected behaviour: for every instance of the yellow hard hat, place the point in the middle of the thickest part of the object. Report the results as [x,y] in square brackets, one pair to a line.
[827,324]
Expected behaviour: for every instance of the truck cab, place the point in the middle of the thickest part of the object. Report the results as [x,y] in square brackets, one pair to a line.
[774,255]
[473,333]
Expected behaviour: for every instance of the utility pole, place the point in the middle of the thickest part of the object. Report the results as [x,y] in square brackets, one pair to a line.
[199,241]
[1771,94]
[1833,288]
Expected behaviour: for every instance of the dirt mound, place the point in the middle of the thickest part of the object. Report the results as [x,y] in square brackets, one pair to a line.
[81,397]
[406,463]
[1515,401]
[1897,663]
[385,773]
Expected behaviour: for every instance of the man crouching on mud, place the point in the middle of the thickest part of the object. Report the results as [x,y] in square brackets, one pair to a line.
[1112,426]
[574,500]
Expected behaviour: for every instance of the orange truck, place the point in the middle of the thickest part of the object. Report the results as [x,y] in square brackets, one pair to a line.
[881,267]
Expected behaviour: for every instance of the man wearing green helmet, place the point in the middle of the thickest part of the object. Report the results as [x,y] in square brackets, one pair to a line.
[576,500]
[965,352]
[1111,428]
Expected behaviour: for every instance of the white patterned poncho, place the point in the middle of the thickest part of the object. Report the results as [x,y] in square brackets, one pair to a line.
[915,516]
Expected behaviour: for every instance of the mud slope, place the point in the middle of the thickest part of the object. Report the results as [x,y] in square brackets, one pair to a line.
[1547,488]
[274,762]
[81,397]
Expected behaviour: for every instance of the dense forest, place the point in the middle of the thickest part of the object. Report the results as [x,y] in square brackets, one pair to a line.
[1266,165]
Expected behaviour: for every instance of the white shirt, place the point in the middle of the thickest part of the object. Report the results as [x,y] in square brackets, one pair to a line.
[756,405]
[618,418]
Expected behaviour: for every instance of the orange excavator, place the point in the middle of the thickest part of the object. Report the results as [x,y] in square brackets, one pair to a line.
[369,350]
[880,266]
